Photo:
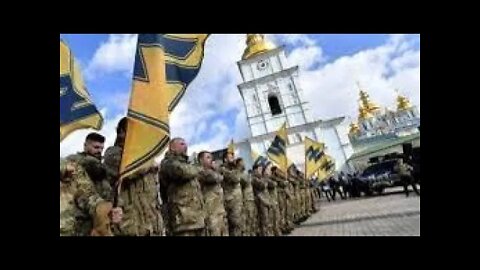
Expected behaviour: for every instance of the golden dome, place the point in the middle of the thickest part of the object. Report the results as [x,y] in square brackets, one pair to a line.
[256,44]
[403,103]
[367,104]
[363,113]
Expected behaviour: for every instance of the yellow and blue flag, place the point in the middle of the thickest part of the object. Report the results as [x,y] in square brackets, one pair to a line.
[262,160]
[277,151]
[329,164]
[165,64]
[327,168]
[77,110]
[314,156]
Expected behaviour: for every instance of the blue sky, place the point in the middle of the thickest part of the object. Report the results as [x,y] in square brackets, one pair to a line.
[329,63]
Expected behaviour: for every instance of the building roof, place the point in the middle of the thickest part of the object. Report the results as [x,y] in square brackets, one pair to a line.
[384,145]
[317,123]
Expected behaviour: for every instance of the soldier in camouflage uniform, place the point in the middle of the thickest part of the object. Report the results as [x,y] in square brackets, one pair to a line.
[289,203]
[279,178]
[303,196]
[275,213]
[138,193]
[298,198]
[233,196]
[249,206]
[211,180]
[308,201]
[184,194]
[83,212]
[91,161]
[262,200]
[293,200]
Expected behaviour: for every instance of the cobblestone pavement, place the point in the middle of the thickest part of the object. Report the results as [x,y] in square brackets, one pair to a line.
[392,214]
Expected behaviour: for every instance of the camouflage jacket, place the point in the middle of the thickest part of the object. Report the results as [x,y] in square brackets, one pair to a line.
[97,172]
[282,185]
[289,190]
[184,195]
[272,184]
[231,184]
[78,202]
[260,189]
[281,181]
[212,191]
[230,176]
[293,181]
[272,188]
[139,198]
[301,183]
[247,189]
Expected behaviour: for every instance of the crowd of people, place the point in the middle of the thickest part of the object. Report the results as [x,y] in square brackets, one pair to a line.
[177,197]
[351,186]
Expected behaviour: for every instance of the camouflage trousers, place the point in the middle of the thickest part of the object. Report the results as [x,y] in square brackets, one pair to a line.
[274,214]
[250,215]
[297,205]
[275,217]
[216,225]
[165,215]
[293,206]
[141,208]
[314,200]
[303,212]
[235,217]
[265,225]
[289,213]
[282,211]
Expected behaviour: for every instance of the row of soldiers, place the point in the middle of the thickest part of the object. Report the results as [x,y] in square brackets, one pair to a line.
[178,198]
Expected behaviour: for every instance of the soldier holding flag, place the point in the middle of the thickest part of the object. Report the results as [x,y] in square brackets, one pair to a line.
[83,211]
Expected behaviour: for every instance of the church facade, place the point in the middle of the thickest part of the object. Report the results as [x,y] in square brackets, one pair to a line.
[272,95]
[382,131]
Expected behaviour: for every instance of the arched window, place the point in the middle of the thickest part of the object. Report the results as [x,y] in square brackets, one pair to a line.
[274,104]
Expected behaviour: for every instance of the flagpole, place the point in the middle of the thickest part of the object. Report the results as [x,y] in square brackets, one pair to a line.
[305,154]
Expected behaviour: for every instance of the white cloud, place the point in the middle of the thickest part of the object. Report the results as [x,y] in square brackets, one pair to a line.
[332,91]
[409,59]
[219,140]
[117,54]
[214,91]
[329,88]
[241,126]
[306,57]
